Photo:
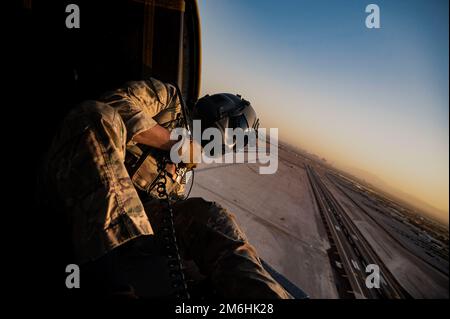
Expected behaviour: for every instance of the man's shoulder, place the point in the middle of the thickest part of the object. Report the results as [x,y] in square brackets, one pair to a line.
[151,89]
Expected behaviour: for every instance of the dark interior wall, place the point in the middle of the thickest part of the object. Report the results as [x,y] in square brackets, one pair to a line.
[104,52]
[53,69]
[60,67]
[117,41]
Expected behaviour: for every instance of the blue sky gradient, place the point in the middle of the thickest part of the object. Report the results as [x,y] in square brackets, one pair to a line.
[368,100]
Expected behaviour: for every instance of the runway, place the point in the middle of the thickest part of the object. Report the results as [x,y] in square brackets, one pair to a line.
[354,252]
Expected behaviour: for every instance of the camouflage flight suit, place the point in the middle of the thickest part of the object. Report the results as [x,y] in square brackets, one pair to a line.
[87,176]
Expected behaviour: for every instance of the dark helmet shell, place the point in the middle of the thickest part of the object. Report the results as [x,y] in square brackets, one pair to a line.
[225,110]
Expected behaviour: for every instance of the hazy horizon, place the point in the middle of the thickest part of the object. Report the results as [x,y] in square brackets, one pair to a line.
[375,100]
[381,185]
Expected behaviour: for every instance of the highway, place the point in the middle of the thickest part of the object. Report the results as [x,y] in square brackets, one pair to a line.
[353,250]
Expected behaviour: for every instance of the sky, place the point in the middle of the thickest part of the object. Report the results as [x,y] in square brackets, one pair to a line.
[368,100]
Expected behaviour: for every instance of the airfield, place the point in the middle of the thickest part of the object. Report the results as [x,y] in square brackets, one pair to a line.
[321,227]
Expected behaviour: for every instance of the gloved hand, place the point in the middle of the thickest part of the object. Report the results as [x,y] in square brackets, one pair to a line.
[190,154]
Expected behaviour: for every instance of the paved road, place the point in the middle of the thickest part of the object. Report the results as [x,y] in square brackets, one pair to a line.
[355,253]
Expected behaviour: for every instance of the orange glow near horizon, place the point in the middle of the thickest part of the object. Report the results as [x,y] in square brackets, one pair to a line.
[372,103]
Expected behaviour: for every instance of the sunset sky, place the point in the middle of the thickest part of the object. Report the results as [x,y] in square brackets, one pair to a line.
[368,100]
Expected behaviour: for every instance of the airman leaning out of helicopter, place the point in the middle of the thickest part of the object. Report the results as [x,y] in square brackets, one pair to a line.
[103,172]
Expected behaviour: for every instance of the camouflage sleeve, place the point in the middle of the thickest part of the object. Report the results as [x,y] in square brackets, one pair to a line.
[140,104]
